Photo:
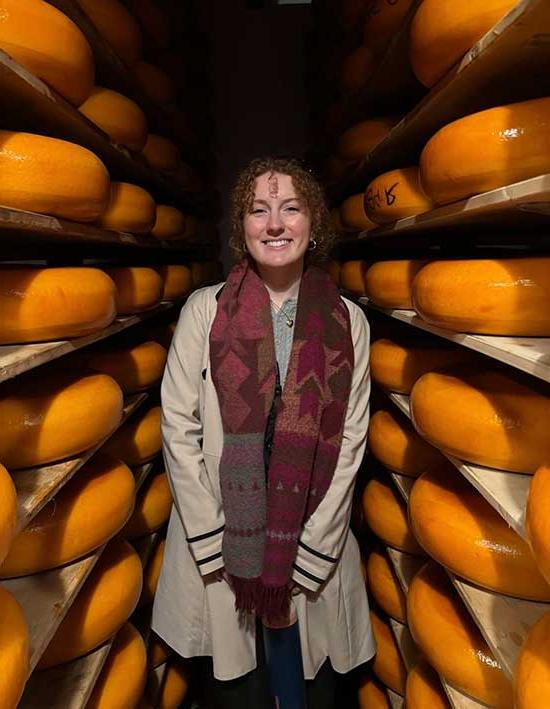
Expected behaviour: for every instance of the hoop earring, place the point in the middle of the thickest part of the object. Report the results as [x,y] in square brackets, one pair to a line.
[312,245]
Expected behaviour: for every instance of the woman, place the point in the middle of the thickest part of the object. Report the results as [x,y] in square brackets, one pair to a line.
[265,413]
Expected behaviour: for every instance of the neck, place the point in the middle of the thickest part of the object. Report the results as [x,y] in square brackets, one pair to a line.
[281,284]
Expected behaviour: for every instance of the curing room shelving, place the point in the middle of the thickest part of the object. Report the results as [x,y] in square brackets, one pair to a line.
[396,700]
[405,643]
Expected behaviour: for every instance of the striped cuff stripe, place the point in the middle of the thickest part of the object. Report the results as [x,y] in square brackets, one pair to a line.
[200,537]
[325,557]
[309,576]
[209,558]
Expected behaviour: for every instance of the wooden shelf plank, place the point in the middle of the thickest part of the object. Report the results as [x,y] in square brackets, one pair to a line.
[405,643]
[141,473]
[145,546]
[68,686]
[403,483]
[396,700]
[459,700]
[406,566]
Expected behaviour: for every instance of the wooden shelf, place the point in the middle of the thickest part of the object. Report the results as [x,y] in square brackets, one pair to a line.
[406,566]
[403,483]
[141,473]
[145,546]
[396,700]
[459,700]
[405,643]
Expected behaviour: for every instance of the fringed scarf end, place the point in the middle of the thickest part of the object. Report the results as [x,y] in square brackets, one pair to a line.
[269,602]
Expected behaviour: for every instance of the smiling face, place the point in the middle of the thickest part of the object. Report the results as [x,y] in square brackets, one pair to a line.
[278,226]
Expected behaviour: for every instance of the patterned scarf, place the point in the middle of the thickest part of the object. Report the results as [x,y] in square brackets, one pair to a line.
[265,512]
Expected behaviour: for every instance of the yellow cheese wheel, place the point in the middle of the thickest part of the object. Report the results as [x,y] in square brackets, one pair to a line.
[177,279]
[173,687]
[117,25]
[388,665]
[442,31]
[154,21]
[424,689]
[105,601]
[48,418]
[8,512]
[157,651]
[353,216]
[14,650]
[86,513]
[134,368]
[138,288]
[151,574]
[395,443]
[450,640]
[395,195]
[52,176]
[169,222]
[49,45]
[161,153]
[361,138]
[460,530]
[532,670]
[352,276]
[54,303]
[155,83]
[123,676]
[385,588]
[371,695]
[356,70]
[138,440]
[130,208]
[487,296]
[487,417]
[120,117]
[334,267]
[389,283]
[537,520]
[487,150]
[383,19]
[386,515]
[152,508]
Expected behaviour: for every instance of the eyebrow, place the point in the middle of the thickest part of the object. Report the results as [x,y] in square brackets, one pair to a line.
[289,199]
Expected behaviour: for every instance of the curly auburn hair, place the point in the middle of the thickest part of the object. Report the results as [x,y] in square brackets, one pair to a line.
[308,190]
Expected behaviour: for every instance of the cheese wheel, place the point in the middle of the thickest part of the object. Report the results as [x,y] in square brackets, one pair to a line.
[52,176]
[395,443]
[158,86]
[353,216]
[388,665]
[173,687]
[386,515]
[152,508]
[177,279]
[357,69]
[117,25]
[385,588]
[487,150]
[86,513]
[120,117]
[54,303]
[383,19]
[138,440]
[138,288]
[161,154]
[442,31]
[389,283]
[14,650]
[130,208]
[106,600]
[154,21]
[134,368]
[49,418]
[169,222]
[487,296]
[352,276]
[360,139]
[486,417]
[8,512]
[460,530]
[371,695]
[157,651]
[395,195]
[537,522]
[424,689]
[532,670]
[151,574]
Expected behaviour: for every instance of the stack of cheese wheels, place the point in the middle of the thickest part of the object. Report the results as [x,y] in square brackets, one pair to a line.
[157,651]
[352,276]
[177,280]
[442,31]
[169,690]
[138,441]
[450,640]
[161,153]
[134,368]
[487,417]
[39,304]
[89,510]
[372,695]
[49,45]
[107,599]
[385,588]
[395,195]
[487,150]
[138,288]
[152,508]
[120,117]
[424,689]
[532,670]
[356,70]
[537,520]
[8,512]
[51,176]
[14,650]
[386,515]
[396,365]
[353,216]
[169,222]
[395,443]
[361,138]
[124,674]
[487,296]
[155,83]
[460,530]
[151,574]
[388,665]
[154,21]
[44,419]
[130,208]
[389,283]
[117,25]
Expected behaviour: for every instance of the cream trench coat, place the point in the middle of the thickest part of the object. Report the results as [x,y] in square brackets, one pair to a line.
[197,618]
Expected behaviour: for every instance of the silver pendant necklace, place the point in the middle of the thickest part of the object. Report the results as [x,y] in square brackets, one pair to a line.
[279,309]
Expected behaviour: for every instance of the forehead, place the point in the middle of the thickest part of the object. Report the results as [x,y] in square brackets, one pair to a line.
[272,184]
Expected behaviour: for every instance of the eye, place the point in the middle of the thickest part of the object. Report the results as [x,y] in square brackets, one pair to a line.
[257,211]
[292,209]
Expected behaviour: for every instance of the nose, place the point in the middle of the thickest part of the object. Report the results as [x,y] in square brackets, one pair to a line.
[274,226]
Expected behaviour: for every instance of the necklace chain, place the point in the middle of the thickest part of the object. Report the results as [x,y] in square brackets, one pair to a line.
[279,309]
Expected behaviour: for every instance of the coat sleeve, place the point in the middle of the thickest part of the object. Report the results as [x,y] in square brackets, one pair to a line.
[199,509]
[324,534]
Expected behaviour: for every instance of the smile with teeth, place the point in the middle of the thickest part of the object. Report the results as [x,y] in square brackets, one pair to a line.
[277,242]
